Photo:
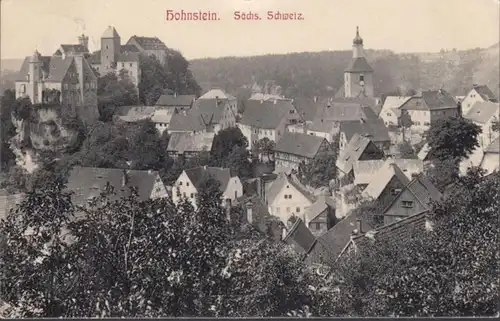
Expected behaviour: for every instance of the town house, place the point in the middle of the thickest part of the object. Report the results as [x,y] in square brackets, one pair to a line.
[151,46]
[215,113]
[189,144]
[189,182]
[390,109]
[428,107]
[89,182]
[287,197]
[320,216]
[223,96]
[261,121]
[417,196]
[478,93]
[484,114]
[180,102]
[294,149]
[491,158]
[372,128]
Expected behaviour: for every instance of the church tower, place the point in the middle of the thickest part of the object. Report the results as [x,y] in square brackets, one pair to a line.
[110,48]
[358,77]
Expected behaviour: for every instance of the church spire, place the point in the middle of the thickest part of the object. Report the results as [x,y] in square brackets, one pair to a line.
[357,40]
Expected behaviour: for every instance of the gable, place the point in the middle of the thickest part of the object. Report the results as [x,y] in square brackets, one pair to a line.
[371,152]
[289,189]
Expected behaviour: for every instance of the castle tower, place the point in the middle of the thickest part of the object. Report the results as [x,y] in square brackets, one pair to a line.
[110,48]
[84,41]
[358,77]
[34,86]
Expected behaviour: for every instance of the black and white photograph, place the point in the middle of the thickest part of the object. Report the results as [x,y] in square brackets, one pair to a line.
[249,158]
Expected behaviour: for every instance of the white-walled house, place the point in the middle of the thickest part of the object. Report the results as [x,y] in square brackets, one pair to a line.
[189,182]
[484,114]
[286,197]
[478,93]
[390,109]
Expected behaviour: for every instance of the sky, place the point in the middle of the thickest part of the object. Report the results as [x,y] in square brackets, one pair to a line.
[398,25]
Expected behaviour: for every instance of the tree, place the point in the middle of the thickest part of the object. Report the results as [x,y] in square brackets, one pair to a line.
[442,173]
[452,138]
[238,161]
[404,121]
[319,171]
[115,91]
[265,147]
[406,150]
[141,259]
[448,270]
[7,129]
[146,148]
[225,142]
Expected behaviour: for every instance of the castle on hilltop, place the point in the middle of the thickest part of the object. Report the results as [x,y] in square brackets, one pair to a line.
[69,76]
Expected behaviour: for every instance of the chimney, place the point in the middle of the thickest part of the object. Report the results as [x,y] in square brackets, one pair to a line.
[175,94]
[84,41]
[359,226]
[125,178]
[315,99]
[249,212]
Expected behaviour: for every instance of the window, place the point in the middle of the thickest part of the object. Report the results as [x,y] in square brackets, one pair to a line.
[389,114]
[192,195]
[28,77]
[184,194]
[292,111]
[286,196]
[288,210]
[407,204]
[277,210]
[427,123]
[361,78]
[107,48]
[289,196]
[318,226]
[396,191]
[130,64]
[123,64]
[180,183]
[23,88]
[297,209]
[187,183]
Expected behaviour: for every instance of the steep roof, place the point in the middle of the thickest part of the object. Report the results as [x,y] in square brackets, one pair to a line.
[322,203]
[322,126]
[262,115]
[299,144]
[364,170]
[54,66]
[327,247]
[434,100]
[175,100]
[485,92]
[352,152]
[346,109]
[482,112]
[373,128]
[392,102]
[128,48]
[494,146]
[74,49]
[210,110]
[89,182]
[306,107]
[149,43]
[186,123]
[359,64]
[300,237]
[423,190]
[402,229]
[110,32]
[197,174]
[216,93]
[163,115]
[189,142]
[273,189]
[382,177]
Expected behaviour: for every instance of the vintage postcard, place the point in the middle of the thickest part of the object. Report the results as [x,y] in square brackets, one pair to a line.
[249,158]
